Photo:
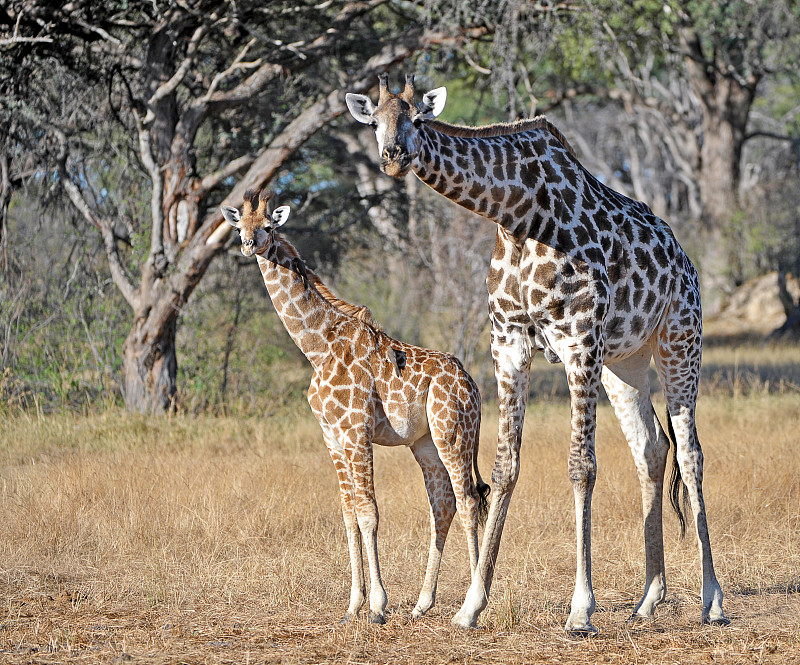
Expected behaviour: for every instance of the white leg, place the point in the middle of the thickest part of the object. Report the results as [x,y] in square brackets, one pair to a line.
[677,355]
[690,461]
[455,435]
[512,368]
[628,387]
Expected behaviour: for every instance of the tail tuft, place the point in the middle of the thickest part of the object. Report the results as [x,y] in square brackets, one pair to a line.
[483,501]
[678,496]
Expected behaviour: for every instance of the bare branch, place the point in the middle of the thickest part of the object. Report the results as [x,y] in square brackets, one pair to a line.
[25,40]
[245,91]
[168,87]
[105,227]
[157,191]
[299,130]
[105,35]
[208,182]
[234,66]
[297,58]
[769,135]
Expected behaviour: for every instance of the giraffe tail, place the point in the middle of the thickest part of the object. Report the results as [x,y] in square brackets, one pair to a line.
[483,494]
[678,496]
[482,488]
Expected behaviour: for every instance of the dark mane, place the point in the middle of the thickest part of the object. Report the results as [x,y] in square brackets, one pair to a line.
[501,129]
[360,312]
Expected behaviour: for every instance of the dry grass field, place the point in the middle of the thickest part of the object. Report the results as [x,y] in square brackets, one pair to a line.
[219,540]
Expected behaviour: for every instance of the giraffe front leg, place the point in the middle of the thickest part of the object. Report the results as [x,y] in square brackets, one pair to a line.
[512,368]
[443,508]
[347,499]
[584,382]
[358,449]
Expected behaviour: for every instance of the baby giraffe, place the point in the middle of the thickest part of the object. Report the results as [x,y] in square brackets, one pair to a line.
[367,389]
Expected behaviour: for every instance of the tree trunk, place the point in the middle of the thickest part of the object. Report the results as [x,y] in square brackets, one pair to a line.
[5,202]
[725,103]
[149,364]
[726,107]
[790,330]
[791,327]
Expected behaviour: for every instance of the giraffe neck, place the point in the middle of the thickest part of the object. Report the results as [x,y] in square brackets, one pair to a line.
[502,177]
[305,314]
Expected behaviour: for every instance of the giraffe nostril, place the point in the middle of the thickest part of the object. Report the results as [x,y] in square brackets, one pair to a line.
[392,153]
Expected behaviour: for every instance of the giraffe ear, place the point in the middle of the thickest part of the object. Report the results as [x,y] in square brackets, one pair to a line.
[279,216]
[360,107]
[231,215]
[433,103]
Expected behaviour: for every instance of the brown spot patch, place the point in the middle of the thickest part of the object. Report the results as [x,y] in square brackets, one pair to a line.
[545,275]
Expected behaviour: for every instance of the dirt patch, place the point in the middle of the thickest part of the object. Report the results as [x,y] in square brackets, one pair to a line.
[69,627]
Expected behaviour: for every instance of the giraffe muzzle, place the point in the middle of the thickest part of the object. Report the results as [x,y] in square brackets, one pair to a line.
[395,161]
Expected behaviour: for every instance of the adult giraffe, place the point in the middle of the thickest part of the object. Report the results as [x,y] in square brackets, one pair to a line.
[590,278]
[370,389]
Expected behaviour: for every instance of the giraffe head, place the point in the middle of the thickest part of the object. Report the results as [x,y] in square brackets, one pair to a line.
[396,120]
[254,225]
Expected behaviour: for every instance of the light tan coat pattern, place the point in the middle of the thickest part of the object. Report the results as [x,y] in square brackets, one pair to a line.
[368,389]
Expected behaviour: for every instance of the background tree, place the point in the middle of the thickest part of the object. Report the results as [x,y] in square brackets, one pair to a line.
[145,111]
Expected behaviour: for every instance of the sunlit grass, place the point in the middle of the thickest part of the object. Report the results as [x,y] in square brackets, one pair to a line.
[232,526]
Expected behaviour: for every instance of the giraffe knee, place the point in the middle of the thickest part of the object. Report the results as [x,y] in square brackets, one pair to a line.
[505,474]
[367,517]
[582,470]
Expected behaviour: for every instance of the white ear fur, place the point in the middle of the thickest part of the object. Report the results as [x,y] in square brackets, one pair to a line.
[360,107]
[279,216]
[433,102]
[231,215]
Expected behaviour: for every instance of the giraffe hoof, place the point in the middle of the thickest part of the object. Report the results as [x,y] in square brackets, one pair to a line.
[581,631]
[379,619]
[636,619]
[346,619]
[420,610]
[718,621]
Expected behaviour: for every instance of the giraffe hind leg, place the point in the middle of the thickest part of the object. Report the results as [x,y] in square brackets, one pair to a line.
[628,388]
[456,443]
[443,508]
[678,365]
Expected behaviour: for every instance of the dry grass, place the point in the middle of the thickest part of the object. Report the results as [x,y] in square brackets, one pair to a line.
[218,540]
